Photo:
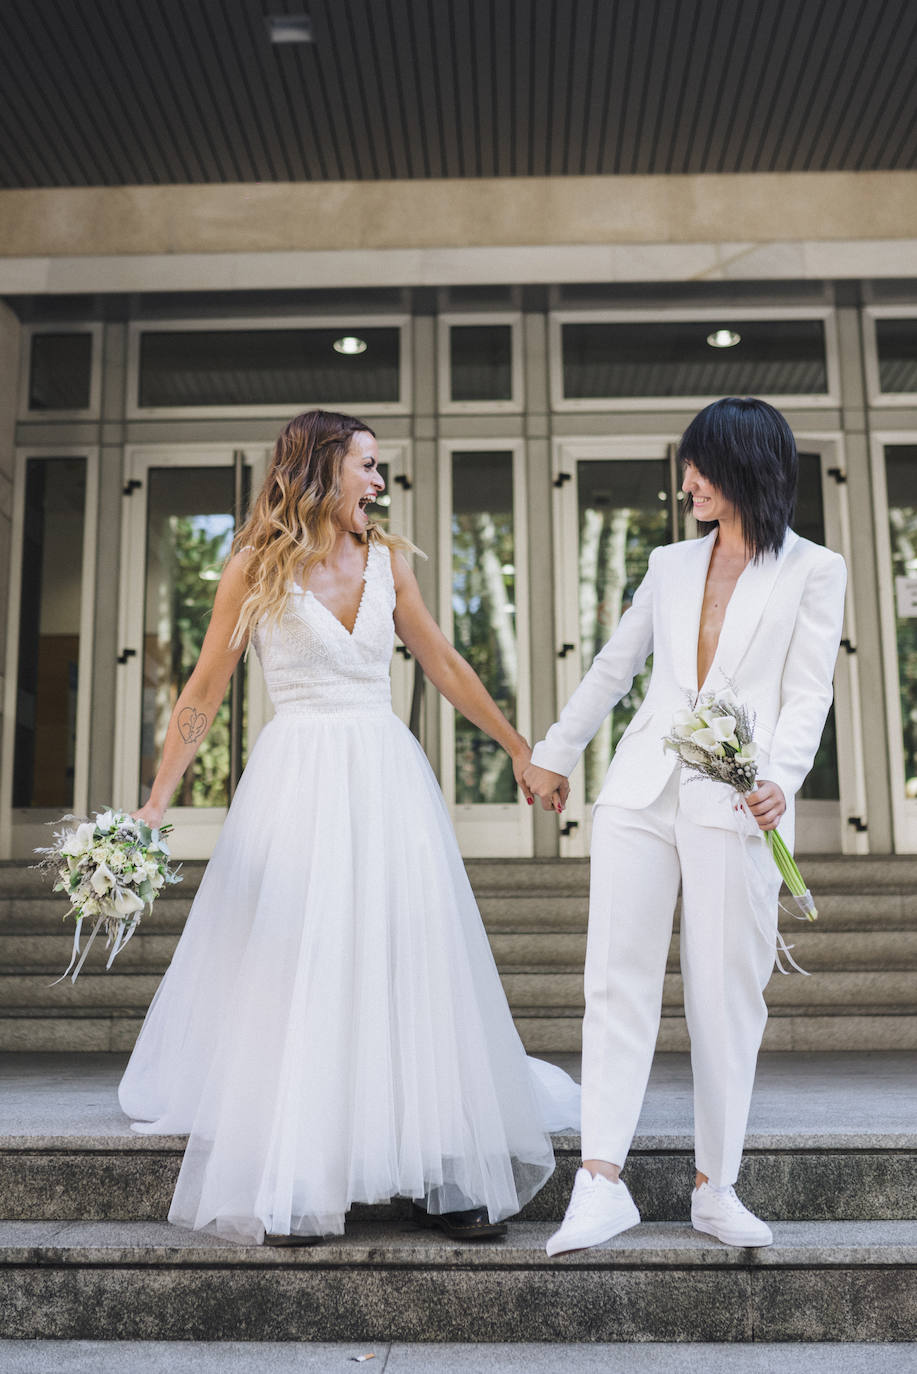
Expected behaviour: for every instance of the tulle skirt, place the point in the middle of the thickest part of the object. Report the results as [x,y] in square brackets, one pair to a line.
[332,1028]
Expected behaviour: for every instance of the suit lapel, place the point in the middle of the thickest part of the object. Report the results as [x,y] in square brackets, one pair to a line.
[685,608]
[746,606]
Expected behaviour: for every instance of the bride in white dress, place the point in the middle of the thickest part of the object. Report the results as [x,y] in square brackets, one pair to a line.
[332,1028]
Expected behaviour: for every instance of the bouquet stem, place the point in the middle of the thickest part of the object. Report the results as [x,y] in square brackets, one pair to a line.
[790,874]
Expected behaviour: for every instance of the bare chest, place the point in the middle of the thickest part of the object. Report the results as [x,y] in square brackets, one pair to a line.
[718,590]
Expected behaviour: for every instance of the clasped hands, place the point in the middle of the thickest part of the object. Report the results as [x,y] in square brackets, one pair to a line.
[766,803]
[551,789]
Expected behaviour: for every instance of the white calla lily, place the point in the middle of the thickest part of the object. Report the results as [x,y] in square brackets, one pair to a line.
[707,740]
[127,902]
[103,880]
[724,727]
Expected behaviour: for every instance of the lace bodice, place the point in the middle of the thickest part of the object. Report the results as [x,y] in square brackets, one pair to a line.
[312,663]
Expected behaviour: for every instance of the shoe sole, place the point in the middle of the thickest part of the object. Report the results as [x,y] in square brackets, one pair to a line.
[491,1230]
[741,1242]
[626,1224]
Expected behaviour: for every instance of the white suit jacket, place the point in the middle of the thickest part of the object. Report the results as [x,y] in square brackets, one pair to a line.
[777,649]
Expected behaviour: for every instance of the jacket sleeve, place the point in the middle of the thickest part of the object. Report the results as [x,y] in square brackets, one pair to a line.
[808,674]
[613,670]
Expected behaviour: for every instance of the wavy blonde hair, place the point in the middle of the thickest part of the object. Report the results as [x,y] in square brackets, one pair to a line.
[291,526]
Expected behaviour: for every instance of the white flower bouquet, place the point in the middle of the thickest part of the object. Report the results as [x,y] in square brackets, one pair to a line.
[112,868]
[715,739]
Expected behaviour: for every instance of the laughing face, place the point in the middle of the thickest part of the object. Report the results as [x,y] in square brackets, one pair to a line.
[361,483]
[708,504]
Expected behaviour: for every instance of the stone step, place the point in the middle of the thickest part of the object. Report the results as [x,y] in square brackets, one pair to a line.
[874,873]
[557,1031]
[819,1281]
[524,951]
[561,1033]
[802,1177]
[853,991]
[509,912]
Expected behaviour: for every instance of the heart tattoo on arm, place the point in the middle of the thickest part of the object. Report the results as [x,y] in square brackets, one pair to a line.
[192,724]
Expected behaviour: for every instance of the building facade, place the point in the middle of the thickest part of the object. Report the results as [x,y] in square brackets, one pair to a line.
[527,427]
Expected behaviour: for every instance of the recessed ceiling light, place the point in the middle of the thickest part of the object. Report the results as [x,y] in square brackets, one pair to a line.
[350,344]
[289,28]
[724,338]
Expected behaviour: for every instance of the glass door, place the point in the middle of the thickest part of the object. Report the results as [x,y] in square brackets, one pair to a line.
[48,685]
[181,512]
[615,501]
[484,611]
[831,804]
[896,506]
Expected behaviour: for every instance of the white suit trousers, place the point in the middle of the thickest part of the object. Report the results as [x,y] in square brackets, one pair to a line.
[727,956]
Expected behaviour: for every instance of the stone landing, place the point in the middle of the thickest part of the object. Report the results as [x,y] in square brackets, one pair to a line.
[86,1253]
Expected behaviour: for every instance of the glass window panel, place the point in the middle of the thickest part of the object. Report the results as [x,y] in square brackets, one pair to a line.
[481,362]
[809,521]
[484,613]
[262,367]
[190,528]
[60,372]
[896,343]
[901,480]
[49,632]
[624,513]
[774,357]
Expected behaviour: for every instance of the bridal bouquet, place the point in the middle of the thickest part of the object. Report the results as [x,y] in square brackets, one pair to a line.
[112,868]
[715,740]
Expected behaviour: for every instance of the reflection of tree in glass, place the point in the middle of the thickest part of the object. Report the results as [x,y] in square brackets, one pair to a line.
[615,545]
[484,631]
[199,545]
[903,531]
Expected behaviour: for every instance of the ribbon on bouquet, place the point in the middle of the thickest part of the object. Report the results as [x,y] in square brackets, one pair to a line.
[119,937]
[758,890]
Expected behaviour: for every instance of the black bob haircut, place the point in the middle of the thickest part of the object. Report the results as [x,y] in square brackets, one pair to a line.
[746,449]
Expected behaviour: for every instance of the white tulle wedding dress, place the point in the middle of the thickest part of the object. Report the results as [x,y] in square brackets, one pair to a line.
[332,1028]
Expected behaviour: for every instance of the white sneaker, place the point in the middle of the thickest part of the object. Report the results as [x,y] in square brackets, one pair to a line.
[598,1210]
[718,1212]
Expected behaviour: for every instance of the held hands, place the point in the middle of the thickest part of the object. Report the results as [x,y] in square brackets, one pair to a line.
[767,804]
[551,789]
[520,757]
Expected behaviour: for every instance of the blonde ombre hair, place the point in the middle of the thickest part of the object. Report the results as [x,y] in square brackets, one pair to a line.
[291,526]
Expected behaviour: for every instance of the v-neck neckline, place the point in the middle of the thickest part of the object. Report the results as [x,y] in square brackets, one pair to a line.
[307,591]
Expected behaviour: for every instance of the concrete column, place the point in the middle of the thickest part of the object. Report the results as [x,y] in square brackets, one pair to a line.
[863,574]
[542,553]
[426,502]
[9,401]
[107,573]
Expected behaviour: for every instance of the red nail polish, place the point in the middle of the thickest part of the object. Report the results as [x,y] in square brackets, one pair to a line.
[531,801]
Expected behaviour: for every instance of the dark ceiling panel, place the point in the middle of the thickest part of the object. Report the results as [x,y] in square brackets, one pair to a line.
[106,92]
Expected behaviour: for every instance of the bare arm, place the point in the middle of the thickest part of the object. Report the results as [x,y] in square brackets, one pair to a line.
[449,672]
[203,692]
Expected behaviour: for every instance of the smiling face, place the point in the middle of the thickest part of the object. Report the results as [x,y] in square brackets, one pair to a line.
[708,503]
[361,483]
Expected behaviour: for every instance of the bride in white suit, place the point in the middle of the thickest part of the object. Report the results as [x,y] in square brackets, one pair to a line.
[752,606]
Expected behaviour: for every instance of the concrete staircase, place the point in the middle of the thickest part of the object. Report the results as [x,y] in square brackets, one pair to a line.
[86,1253]
[862,953]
